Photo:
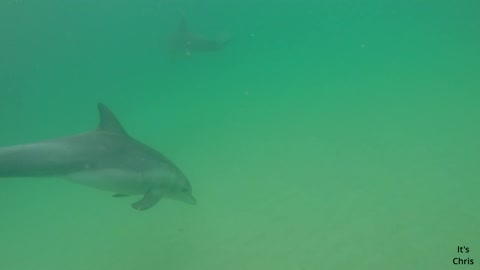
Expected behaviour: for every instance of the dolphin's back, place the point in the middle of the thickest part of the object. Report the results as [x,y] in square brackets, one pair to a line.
[95,150]
[59,157]
[38,159]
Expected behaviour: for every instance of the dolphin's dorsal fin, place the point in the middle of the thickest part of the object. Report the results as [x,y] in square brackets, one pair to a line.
[108,121]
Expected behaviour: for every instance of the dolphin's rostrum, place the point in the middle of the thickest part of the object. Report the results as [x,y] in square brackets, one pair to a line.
[106,158]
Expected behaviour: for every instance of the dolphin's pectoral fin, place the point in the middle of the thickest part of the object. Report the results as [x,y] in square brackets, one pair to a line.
[120,195]
[149,200]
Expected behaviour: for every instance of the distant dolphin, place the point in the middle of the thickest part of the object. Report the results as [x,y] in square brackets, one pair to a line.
[186,42]
[106,158]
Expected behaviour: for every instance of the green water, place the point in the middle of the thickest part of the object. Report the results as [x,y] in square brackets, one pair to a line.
[327,134]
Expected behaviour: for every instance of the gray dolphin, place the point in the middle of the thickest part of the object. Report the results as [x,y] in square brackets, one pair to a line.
[186,42]
[106,158]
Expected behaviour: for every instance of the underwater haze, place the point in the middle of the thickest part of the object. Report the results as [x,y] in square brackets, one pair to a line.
[324,135]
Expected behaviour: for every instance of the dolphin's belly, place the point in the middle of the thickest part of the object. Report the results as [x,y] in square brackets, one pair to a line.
[113,180]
